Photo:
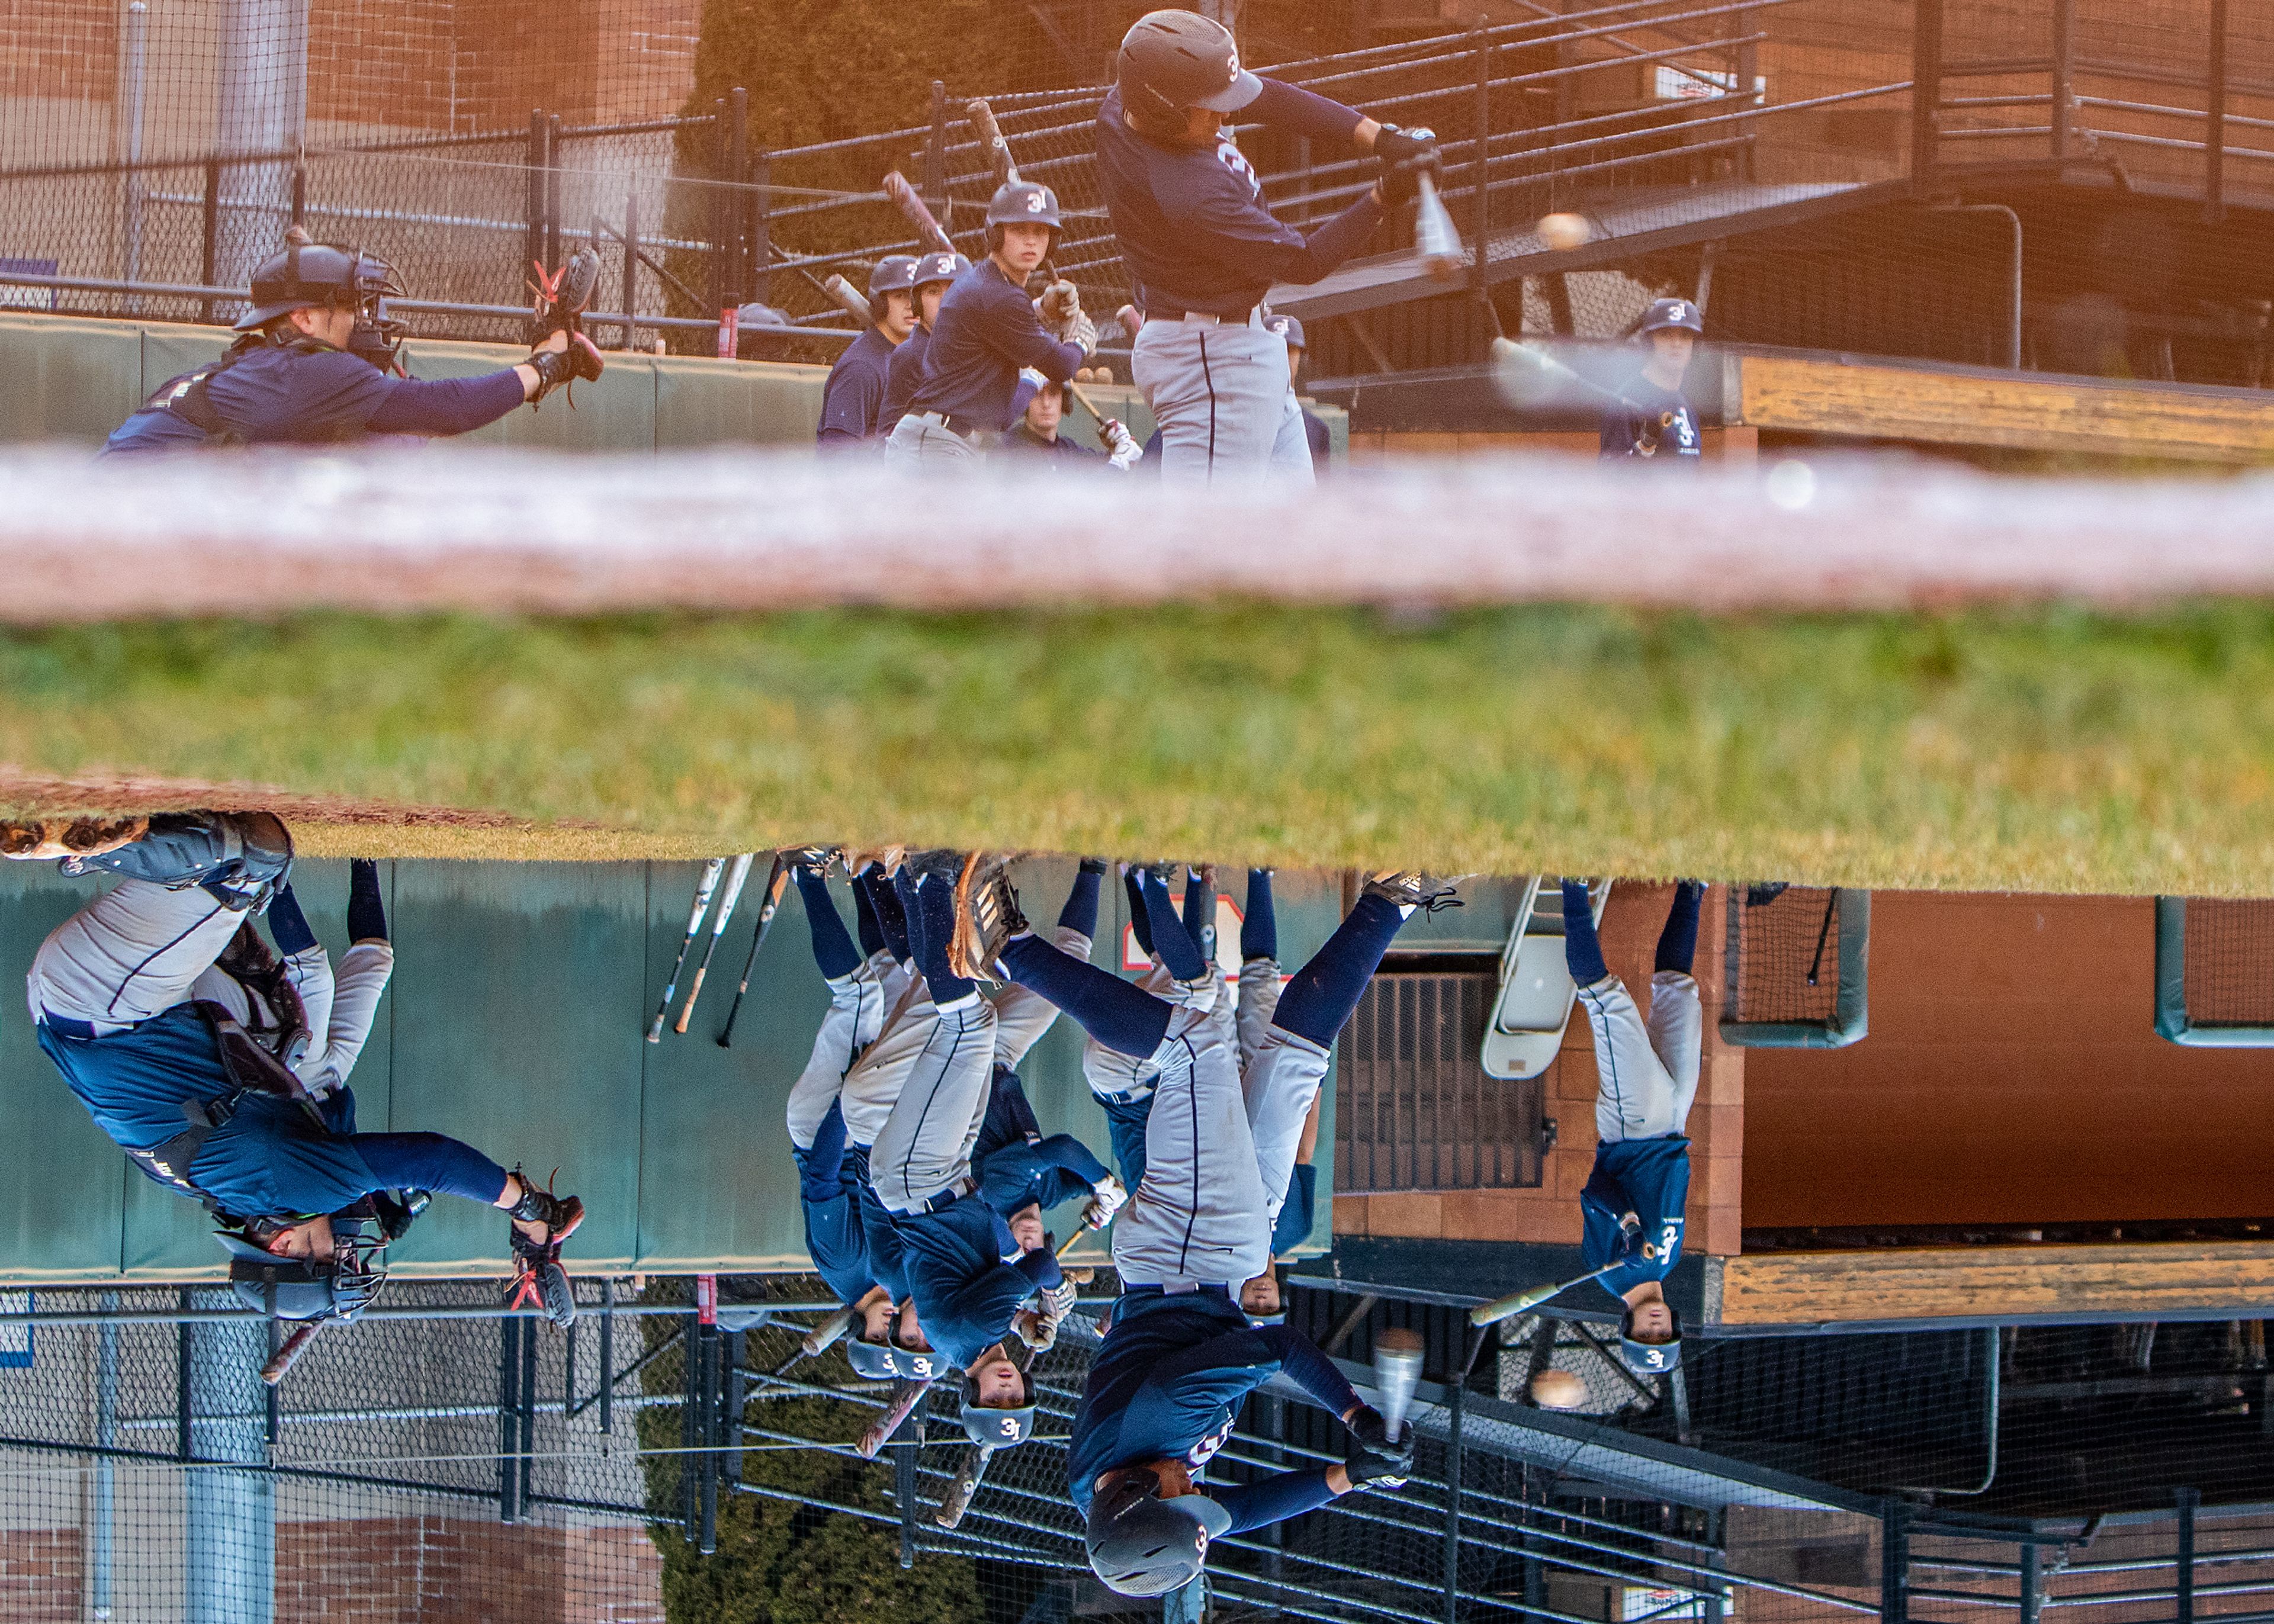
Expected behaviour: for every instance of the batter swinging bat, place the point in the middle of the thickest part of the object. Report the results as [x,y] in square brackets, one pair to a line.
[826,1335]
[704,887]
[286,1357]
[1436,243]
[735,878]
[905,1397]
[998,150]
[775,883]
[904,198]
[1524,1302]
[970,1471]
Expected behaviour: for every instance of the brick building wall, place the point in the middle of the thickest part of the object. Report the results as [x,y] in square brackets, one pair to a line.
[59,48]
[42,1575]
[433,1570]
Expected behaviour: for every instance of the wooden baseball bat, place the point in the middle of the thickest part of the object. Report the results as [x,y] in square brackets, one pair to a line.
[704,887]
[905,1397]
[904,198]
[736,877]
[826,1335]
[970,1471]
[1522,1302]
[998,150]
[286,1357]
[776,884]
[850,296]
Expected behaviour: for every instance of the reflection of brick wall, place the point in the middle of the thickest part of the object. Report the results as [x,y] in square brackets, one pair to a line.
[59,48]
[462,1571]
[40,1576]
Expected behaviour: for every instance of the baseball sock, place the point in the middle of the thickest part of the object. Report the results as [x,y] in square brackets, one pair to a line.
[1139,924]
[1258,932]
[1325,991]
[864,918]
[366,913]
[1170,940]
[288,924]
[932,928]
[903,893]
[892,920]
[832,949]
[1581,951]
[1080,910]
[1677,943]
[1119,1014]
[1200,913]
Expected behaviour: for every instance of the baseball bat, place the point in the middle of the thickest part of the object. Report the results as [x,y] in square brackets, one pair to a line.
[286,1357]
[998,150]
[1435,242]
[826,1335]
[775,884]
[1524,1302]
[850,296]
[703,886]
[1396,1373]
[736,877]
[970,1471]
[1823,933]
[905,199]
[905,1397]
[1520,361]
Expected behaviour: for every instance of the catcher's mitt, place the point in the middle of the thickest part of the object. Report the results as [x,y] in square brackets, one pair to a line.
[562,296]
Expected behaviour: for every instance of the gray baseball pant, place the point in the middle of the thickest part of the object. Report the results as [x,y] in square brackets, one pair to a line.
[1219,393]
[855,1019]
[1645,1071]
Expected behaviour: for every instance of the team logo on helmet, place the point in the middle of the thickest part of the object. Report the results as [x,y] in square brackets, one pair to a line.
[1034,202]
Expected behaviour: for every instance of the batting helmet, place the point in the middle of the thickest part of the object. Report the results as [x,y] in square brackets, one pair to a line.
[871,1361]
[340,1288]
[1679,314]
[1288,329]
[1650,1358]
[894,273]
[1171,61]
[1141,1544]
[1021,201]
[308,275]
[937,265]
[915,1364]
[996,1429]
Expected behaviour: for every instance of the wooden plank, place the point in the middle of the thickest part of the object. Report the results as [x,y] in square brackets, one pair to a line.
[1996,1282]
[1982,406]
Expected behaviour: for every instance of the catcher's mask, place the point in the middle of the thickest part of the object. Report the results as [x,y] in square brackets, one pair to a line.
[871,1361]
[308,275]
[996,1429]
[1650,1358]
[306,1287]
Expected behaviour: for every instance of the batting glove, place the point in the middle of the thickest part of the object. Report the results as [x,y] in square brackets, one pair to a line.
[1111,1195]
[1401,181]
[1124,451]
[1369,1429]
[1393,144]
[1057,1301]
[1387,1467]
[1061,300]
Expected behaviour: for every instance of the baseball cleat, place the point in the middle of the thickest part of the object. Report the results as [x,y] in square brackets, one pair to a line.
[986,915]
[818,858]
[560,1214]
[69,836]
[539,1281]
[1428,893]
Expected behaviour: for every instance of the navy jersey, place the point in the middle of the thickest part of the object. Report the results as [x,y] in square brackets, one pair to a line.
[1651,1179]
[1659,426]
[1322,443]
[965,1291]
[854,393]
[1055,453]
[987,330]
[887,1257]
[902,374]
[308,393]
[1192,221]
[1168,1381]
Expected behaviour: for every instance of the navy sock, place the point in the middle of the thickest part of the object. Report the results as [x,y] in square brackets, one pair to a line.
[1677,943]
[366,913]
[1170,940]
[288,924]
[1119,1014]
[1200,914]
[1080,910]
[1325,990]
[903,890]
[935,909]
[1581,951]
[1139,925]
[1258,932]
[864,918]
[832,949]
[891,920]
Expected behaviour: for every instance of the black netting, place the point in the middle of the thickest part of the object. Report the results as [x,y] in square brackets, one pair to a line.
[2230,963]
[1784,955]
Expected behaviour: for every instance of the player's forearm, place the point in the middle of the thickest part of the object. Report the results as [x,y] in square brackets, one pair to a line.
[1309,1369]
[1066,1151]
[1040,1269]
[1275,1499]
[1307,113]
[449,405]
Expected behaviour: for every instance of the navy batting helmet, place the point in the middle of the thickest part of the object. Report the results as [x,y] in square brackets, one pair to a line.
[917,1363]
[1170,61]
[1677,314]
[894,273]
[1288,329]
[1650,1358]
[1141,1544]
[937,265]
[996,1429]
[871,1361]
[1023,202]
[309,275]
[338,1288]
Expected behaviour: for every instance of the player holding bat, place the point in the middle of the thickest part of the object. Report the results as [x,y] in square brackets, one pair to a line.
[854,392]
[1652,419]
[935,274]
[315,362]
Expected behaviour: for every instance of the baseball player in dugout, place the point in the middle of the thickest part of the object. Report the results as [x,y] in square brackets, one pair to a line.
[220,1067]
[1036,435]
[316,362]
[1196,1328]
[1653,418]
[853,398]
[1646,1076]
[934,274]
[987,330]
[1204,250]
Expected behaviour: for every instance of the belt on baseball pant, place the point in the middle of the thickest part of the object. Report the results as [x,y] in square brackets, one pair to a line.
[1181,1288]
[1202,318]
[940,1201]
[962,428]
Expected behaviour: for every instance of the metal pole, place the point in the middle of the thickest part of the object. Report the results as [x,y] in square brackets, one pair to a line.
[2184,1562]
[1456,1406]
[182,1377]
[533,248]
[707,1421]
[2033,1583]
[688,1436]
[1926,90]
[1481,206]
[508,1373]
[2064,73]
[272,1397]
[527,1413]
[631,334]
[2214,130]
[730,1417]
[608,1323]
[132,71]
[1748,70]
[106,1437]
[553,191]
[761,240]
[738,175]
[904,1484]
[936,154]
[209,233]
[1894,1562]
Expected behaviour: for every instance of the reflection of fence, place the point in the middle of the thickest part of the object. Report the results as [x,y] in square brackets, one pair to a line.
[2215,973]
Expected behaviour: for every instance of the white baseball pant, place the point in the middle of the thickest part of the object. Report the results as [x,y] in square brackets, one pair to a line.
[925,1147]
[1220,393]
[340,1007]
[132,953]
[1200,1214]
[1021,1017]
[854,1018]
[1645,1071]
[875,1080]
[1112,1075]
[919,441]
